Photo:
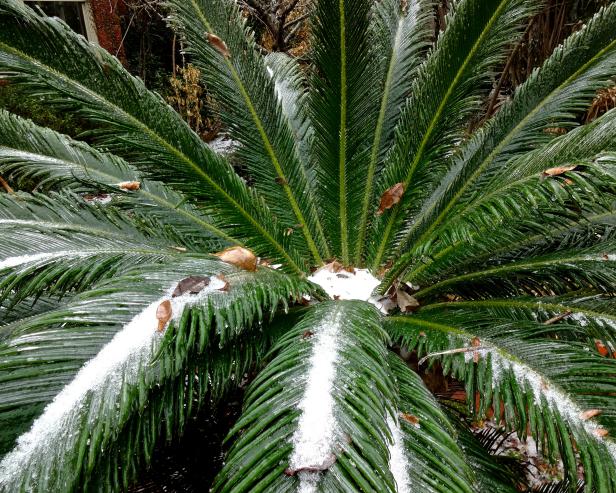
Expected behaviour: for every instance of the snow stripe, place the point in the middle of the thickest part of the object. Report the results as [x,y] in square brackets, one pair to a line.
[558,400]
[398,461]
[317,427]
[97,385]
[25,259]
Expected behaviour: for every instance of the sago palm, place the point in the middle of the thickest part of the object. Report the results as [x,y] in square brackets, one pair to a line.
[493,238]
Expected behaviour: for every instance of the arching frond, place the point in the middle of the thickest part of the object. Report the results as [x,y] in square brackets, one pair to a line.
[557,388]
[137,383]
[48,60]
[224,49]
[315,417]
[47,160]
[401,37]
[565,85]
[444,96]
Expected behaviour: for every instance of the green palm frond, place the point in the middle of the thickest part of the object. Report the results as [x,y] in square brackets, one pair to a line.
[543,382]
[435,460]
[342,104]
[234,71]
[551,97]
[137,373]
[444,95]
[402,36]
[44,57]
[335,352]
[45,160]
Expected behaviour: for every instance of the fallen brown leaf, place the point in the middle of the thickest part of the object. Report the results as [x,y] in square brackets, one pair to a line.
[602,348]
[334,266]
[391,197]
[307,334]
[600,432]
[559,170]
[163,314]
[240,257]
[409,418]
[558,318]
[191,285]
[218,44]
[589,414]
[131,186]
[406,302]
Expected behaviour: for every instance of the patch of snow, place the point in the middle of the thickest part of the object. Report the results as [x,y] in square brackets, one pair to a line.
[398,461]
[317,427]
[345,285]
[36,257]
[102,378]
[223,145]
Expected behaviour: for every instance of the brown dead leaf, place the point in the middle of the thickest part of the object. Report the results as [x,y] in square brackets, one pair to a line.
[163,314]
[227,286]
[179,249]
[191,285]
[602,348]
[281,181]
[476,342]
[307,334]
[589,414]
[559,170]
[409,418]
[288,231]
[555,130]
[605,256]
[406,302]
[600,432]
[391,197]
[218,44]
[240,257]
[4,82]
[334,266]
[336,297]
[558,318]
[130,186]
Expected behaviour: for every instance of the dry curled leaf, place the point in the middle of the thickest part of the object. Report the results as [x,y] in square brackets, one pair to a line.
[334,266]
[307,334]
[130,186]
[191,285]
[406,302]
[391,197]
[559,170]
[409,418]
[589,414]
[218,44]
[163,314]
[240,257]
[602,348]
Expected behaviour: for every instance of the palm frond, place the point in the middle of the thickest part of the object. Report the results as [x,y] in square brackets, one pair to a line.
[285,440]
[50,61]
[224,49]
[444,96]
[551,97]
[57,244]
[138,383]
[530,377]
[342,108]
[401,37]
[435,462]
[46,160]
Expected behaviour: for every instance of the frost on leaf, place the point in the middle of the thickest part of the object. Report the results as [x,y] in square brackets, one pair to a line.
[130,186]
[240,257]
[163,314]
[191,285]
[391,197]
[218,44]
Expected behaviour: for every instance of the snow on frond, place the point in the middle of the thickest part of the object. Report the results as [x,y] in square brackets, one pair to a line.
[556,398]
[398,461]
[26,259]
[98,383]
[317,428]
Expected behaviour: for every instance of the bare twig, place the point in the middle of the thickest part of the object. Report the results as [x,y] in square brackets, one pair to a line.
[6,186]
